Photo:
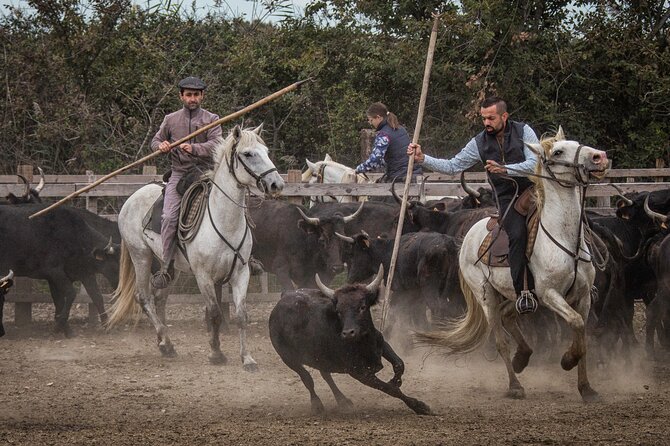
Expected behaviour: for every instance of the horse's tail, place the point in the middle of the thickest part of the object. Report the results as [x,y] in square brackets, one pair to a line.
[124,304]
[463,334]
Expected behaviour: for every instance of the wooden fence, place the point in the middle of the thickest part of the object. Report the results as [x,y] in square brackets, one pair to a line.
[57,186]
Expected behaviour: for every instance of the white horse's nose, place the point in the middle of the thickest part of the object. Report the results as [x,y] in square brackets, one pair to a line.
[599,157]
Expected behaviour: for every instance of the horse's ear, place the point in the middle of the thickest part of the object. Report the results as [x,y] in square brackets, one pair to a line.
[327,158]
[311,165]
[560,136]
[258,129]
[535,148]
[237,132]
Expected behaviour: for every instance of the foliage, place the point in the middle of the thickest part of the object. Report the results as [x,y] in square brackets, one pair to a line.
[87,82]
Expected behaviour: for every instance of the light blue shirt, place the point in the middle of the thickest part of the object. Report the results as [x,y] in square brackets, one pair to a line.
[469,156]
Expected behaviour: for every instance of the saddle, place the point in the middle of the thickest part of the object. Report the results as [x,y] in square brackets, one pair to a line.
[494,250]
[190,214]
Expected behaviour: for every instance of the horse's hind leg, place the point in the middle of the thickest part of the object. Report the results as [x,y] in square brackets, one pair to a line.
[492,309]
[342,401]
[147,301]
[523,350]
[239,284]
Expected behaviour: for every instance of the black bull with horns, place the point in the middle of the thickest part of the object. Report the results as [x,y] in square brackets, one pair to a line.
[60,247]
[332,331]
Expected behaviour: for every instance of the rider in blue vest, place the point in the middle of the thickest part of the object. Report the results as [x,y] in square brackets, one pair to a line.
[390,146]
[501,145]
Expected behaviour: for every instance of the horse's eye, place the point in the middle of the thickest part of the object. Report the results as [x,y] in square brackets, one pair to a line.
[557,153]
[248,154]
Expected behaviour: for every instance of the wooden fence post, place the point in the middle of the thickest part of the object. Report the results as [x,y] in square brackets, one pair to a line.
[91,202]
[294,176]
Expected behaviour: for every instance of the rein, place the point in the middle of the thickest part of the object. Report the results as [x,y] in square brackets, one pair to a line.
[580,172]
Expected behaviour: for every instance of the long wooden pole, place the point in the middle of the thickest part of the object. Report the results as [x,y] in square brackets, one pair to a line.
[410,166]
[143,160]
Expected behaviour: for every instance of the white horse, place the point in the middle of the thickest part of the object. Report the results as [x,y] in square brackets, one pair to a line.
[327,172]
[217,253]
[560,262]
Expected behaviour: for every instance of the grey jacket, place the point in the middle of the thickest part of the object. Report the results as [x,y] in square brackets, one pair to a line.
[182,123]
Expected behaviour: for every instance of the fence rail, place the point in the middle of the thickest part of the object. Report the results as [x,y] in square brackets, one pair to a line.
[122,186]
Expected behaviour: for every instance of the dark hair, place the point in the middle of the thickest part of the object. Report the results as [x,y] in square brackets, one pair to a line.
[501,105]
[379,109]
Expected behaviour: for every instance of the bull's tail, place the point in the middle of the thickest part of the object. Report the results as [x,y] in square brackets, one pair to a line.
[463,334]
[124,304]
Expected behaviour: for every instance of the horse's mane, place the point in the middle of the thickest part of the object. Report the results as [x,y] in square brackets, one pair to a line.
[546,142]
[225,146]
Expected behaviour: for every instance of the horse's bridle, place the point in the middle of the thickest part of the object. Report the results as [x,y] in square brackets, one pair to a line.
[235,158]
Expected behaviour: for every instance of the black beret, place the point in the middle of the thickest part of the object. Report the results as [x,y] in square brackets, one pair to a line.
[192,83]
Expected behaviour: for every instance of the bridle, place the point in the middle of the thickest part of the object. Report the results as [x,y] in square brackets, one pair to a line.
[237,158]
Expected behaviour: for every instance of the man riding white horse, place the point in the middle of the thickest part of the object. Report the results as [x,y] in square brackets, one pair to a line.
[501,147]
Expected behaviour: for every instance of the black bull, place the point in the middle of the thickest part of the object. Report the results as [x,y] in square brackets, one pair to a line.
[333,332]
[59,247]
[426,276]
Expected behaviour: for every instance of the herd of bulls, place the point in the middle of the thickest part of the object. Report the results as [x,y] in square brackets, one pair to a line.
[297,243]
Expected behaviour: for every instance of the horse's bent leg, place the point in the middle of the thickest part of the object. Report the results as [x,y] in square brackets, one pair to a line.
[390,389]
[161,303]
[239,285]
[556,302]
[214,316]
[342,401]
[523,350]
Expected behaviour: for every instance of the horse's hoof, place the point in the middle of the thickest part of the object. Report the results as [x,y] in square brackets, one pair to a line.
[217,359]
[569,361]
[167,350]
[251,367]
[520,361]
[589,395]
[516,393]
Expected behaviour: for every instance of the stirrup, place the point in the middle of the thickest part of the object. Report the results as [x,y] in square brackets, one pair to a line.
[526,302]
[161,279]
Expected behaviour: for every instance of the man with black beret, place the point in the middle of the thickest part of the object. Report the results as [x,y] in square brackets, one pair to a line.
[195,153]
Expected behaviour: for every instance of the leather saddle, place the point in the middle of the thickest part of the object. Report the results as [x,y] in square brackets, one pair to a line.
[494,250]
[191,199]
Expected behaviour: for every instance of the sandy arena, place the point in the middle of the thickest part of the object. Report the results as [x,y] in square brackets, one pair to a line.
[115,389]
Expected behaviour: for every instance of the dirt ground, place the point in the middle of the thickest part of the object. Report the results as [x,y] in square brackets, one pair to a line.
[115,388]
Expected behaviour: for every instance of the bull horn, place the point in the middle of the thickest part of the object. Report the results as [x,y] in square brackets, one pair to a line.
[372,287]
[27,184]
[324,289]
[355,214]
[9,276]
[345,238]
[652,214]
[109,249]
[40,186]
[470,191]
[628,201]
[394,193]
[311,220]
